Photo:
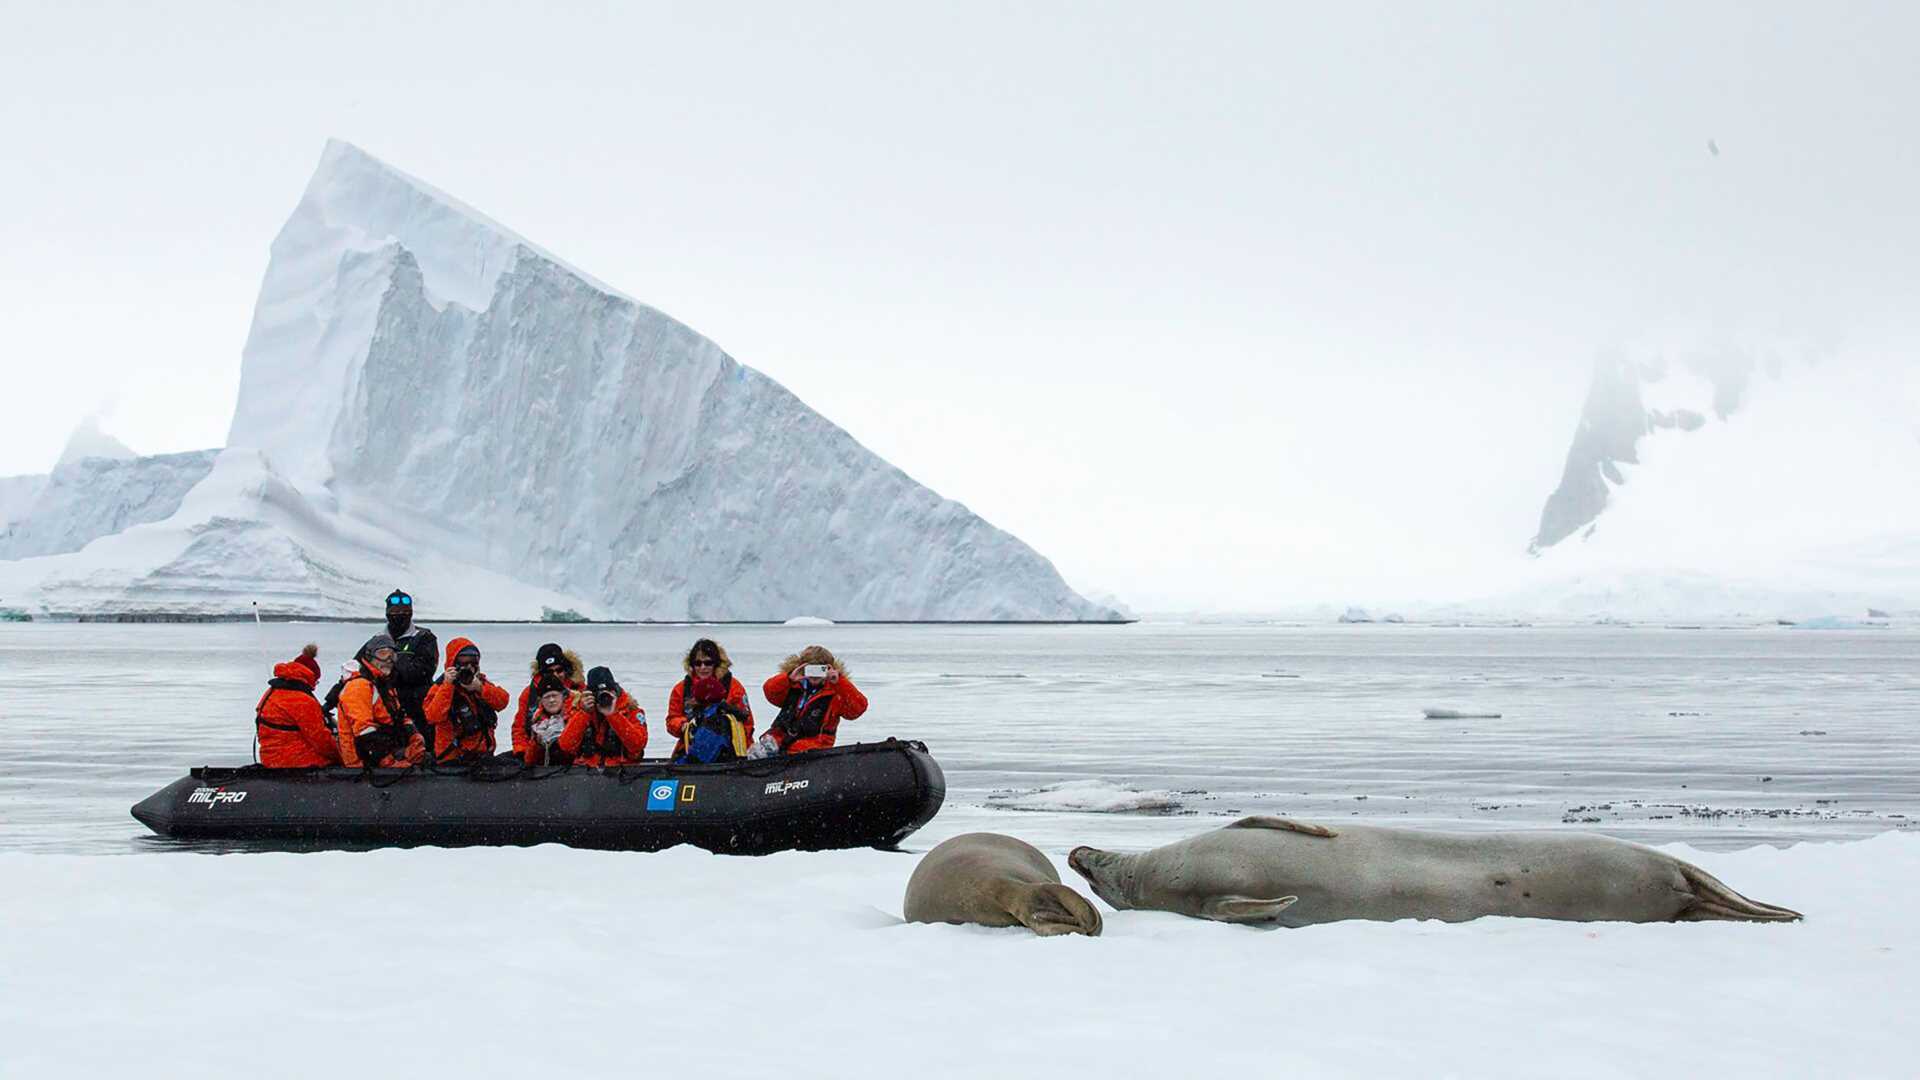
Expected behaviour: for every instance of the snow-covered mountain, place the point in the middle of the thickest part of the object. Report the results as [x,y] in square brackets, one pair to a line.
[1736,481]
[427,399]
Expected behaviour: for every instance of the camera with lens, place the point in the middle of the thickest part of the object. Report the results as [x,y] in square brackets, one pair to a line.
[604,699]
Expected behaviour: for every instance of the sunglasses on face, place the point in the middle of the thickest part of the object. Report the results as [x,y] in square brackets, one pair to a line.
[703,661]
[399,601]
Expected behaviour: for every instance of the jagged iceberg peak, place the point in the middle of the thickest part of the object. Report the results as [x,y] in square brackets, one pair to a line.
[417,367]
[89,441]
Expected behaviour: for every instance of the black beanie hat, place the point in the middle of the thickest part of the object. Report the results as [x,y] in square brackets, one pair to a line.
[601,679]
[547,684]
[550,654]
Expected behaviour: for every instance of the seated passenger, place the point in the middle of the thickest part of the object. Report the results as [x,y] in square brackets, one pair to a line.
[814,695]
[293,731]
[373,727]
[553,663]
[604,726]
[707,713]
[464,707]
[536,738]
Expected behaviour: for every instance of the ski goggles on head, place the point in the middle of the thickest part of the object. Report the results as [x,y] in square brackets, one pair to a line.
[399,600]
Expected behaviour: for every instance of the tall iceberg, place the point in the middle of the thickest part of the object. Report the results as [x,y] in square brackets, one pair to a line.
[426,398]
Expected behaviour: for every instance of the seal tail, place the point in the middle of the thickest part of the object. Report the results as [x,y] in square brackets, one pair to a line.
[1713,901]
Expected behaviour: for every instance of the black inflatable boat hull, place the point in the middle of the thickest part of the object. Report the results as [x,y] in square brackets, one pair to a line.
[866,795]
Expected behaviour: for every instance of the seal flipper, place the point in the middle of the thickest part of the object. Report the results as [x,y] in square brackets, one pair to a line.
[1266,821]
[1245,909]
[1048,910]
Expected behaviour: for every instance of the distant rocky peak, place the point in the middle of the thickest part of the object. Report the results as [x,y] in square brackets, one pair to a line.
[1627,401]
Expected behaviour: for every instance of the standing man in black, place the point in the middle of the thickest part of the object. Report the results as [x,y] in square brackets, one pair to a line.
[416,660]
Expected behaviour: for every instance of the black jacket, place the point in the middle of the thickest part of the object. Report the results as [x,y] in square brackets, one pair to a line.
[416,662]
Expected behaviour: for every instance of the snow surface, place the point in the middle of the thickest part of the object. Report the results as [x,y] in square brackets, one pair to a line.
[427,399]
[551,962]
[807,620]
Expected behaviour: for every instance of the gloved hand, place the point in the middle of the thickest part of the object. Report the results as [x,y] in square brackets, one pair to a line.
[349,669]
[765,746]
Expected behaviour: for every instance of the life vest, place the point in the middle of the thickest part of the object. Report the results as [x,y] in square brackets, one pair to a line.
[600,740]
[714,731]
[260,708]
[470,715]
[383,740]
[804,714]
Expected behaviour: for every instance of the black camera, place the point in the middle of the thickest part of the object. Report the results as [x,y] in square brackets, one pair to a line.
[605,698]
[466,673]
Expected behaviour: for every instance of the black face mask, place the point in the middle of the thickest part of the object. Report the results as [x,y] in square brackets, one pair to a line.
[398,619]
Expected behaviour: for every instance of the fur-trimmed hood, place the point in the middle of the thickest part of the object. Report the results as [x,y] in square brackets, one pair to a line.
[813,654]
[720,670]
[576,671]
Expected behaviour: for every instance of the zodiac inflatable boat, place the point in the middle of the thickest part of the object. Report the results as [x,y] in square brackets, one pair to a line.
[865,795]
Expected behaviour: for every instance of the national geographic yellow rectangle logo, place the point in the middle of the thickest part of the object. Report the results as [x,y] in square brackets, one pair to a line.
[686,792]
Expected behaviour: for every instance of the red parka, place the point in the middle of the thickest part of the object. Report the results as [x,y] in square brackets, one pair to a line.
[293,731]
[524,744]
[592,739]
[445,701]
[845,702]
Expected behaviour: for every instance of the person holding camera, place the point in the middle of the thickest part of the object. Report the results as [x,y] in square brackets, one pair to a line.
[604,726]
[463,707]
[814,694]
[373,728]
[555,665]
[708,712]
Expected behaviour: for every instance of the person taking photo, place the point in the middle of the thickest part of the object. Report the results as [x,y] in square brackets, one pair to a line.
[464,707]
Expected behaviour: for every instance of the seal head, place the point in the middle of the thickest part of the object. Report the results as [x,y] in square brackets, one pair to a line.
[994,880]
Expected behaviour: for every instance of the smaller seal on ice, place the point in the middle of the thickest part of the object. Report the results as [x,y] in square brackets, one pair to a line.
[1293,873]
[996,880]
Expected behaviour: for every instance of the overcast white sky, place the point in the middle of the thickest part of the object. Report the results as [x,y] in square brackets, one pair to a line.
[1215,305]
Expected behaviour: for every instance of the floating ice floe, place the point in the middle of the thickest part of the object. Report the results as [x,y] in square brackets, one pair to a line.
[1459,714]
[1087,797]
[807,620]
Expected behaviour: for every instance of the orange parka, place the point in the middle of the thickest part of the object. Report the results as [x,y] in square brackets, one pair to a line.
[592,739]
[834,702]
[292,729]
[366,706]
[447,702]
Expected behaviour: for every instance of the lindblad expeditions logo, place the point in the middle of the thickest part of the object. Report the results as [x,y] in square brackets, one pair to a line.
[781,787]
[211,797]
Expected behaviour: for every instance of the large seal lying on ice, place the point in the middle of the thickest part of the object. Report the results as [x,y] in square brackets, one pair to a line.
[1272,870]
[996,880]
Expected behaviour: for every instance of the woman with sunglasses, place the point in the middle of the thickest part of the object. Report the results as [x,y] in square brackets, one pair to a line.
[707,712]
[551,665]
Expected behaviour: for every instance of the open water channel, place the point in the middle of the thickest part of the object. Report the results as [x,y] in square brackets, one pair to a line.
[1119,735]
